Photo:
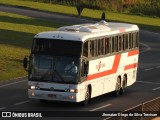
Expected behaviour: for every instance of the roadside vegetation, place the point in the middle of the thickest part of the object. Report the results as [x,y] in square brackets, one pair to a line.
[141,7]
[149,23]
[16,33]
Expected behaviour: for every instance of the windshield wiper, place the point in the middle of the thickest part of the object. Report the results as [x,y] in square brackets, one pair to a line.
[53,71]
[46,73]
[59,75]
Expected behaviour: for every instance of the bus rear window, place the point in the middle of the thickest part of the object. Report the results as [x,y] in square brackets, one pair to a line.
[57,47]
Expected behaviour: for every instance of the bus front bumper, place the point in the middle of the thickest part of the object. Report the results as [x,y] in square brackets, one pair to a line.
[50,95]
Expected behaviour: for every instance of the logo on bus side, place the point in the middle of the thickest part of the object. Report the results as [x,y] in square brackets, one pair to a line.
[100,65]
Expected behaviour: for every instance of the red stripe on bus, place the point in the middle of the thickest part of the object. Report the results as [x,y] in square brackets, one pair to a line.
[108,72]
[122,30]
[134,65]
[135,52]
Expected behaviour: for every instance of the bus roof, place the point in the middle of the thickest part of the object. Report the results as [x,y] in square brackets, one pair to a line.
[86,31]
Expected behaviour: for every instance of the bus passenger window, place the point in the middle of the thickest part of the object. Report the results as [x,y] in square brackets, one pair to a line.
[107,46]
[113,45]
[137,36]
[123,42]
[135,40]
[130,41]
[92,48]
[101,46]
[95,48]
[116,44]
[120,43]
[126,41]
[85,49]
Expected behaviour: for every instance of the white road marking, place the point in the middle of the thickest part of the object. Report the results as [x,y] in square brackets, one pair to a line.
[156,88]
[158,67]
[150,32]
[12,83]
[100,107]
[148,82]
[107,118]
[148,69]
[23,102]
[2,108]
[147,48]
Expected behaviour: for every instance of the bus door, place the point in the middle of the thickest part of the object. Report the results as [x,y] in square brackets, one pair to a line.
[84,69]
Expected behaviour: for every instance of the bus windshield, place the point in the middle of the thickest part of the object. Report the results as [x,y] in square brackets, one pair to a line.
[57,47]
[47,68]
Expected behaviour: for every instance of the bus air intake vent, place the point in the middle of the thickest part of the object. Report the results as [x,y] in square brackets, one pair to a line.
[97,27]
[94,28]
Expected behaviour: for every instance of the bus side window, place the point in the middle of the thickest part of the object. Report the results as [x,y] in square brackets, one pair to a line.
[89,49]
[104,46]
[130,40]
[137,39]
[96,48]
[107,42]
[101,46]
[116,43]
[126,41]
[113,44]
[110,45]
[120,43]
[85,49]
[133,40]
[84,68]
[92,48]
[123,42]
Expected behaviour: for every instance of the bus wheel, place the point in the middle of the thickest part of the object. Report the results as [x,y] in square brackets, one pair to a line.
[118,86]
[87,98]
[124,84]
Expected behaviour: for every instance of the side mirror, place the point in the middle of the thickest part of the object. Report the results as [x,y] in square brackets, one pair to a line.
[25,62]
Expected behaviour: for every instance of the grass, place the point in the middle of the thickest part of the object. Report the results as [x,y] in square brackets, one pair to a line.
[149,23]
[16,33]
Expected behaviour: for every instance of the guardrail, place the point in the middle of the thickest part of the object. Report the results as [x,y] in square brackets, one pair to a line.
[144,111]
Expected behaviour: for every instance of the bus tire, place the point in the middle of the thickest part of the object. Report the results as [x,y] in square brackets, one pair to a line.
[118,86]
[124,83]
[87,97]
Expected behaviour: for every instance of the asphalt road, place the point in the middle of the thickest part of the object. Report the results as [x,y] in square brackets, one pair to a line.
[45,16]
[13,96]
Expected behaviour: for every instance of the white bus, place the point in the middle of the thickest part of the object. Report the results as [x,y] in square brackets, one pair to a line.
[80,62]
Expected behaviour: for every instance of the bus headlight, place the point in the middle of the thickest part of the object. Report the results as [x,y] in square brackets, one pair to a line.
[72,90]
[32,87]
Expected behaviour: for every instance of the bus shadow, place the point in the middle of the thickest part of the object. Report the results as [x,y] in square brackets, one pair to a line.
[69,106]
[16,38]
[28,21]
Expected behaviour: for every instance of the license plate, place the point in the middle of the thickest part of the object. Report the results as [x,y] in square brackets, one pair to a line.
[52,95]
